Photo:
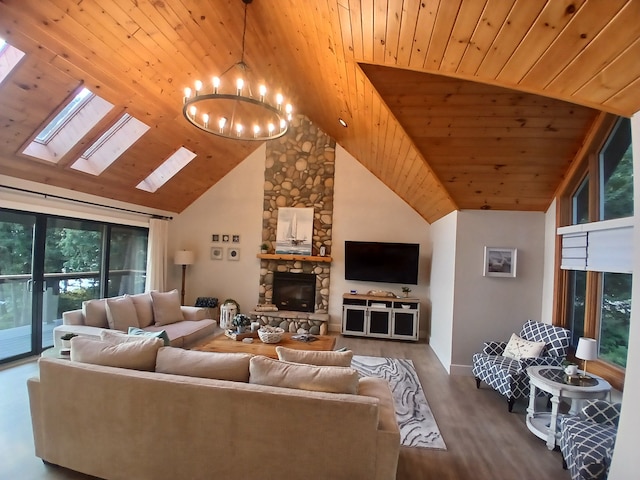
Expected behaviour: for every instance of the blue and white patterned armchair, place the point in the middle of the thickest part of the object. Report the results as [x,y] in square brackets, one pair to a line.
[509,376]
[587,440]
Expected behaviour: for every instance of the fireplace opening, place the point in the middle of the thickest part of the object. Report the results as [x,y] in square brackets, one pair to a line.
[294,291]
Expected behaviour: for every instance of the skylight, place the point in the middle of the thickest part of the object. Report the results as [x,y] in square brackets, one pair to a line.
[9,58]
[167,170]
[68,127]
[111,144]
[64,116]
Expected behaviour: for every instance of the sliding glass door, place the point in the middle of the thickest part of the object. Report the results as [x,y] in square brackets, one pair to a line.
[17,232]
[49,265]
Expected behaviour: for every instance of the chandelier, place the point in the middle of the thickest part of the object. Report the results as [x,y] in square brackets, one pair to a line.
[235,112]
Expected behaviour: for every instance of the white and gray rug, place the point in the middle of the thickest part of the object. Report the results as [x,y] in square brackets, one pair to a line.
[418,428]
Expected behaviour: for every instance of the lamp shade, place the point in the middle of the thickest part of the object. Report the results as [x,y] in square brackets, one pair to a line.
[184,257]
[587,349]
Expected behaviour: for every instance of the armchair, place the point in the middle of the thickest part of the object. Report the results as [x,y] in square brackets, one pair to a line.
[587,440]
[509,375]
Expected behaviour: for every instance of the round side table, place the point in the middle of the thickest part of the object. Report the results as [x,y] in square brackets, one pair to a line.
[553,380]
[56,352]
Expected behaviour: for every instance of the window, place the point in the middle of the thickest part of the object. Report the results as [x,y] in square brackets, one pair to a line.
[172,165]
[9,58]
[67,113]
[595,284]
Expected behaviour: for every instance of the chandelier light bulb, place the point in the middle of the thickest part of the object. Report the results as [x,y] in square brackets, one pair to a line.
[238,129]
[216,84]
[283,123]
[239,85]
[205,119]
[263,92]
[221,123]
[279,100]
[288,108]
[271,128]
[198,86]
[193,110]
[256,131]
[187,93]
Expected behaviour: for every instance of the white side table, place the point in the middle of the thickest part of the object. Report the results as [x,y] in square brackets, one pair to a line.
[553,380]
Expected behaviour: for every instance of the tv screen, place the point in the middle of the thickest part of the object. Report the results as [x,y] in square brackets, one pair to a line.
[381,262]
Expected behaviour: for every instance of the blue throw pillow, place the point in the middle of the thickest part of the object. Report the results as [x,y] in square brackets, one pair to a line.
[161,334]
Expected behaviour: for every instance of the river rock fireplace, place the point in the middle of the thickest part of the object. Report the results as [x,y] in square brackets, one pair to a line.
[294,291]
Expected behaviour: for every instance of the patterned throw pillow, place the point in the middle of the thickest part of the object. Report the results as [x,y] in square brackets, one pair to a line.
[518,348]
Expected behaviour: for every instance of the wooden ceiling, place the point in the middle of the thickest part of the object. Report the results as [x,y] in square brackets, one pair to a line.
[453,104]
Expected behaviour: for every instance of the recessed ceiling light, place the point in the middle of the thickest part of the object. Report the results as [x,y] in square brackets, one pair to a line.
[342,122]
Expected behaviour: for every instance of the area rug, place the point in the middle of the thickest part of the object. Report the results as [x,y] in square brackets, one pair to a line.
[418,428]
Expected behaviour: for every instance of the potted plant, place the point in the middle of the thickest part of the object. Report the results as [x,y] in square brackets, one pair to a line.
[66,339]
[241,321]
[406,291]
[264,248]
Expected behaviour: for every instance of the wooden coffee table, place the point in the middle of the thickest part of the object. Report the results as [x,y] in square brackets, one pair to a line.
[224,344]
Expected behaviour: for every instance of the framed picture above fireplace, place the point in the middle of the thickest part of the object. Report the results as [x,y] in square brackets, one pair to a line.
[295,231]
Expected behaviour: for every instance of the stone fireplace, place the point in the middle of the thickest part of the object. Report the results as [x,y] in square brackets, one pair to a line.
[294,291]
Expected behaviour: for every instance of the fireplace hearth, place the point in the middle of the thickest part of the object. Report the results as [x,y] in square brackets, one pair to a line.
[294,291]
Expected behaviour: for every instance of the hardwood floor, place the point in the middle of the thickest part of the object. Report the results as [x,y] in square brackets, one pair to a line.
[484,441]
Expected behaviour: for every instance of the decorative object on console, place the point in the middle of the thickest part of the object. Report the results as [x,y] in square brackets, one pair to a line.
[500,262]
[264,248]
[184,258]
[228,108]
[586,350]
[406,291]
[228,310]
[295,231]
[381,293]
[240,321]
[270,334]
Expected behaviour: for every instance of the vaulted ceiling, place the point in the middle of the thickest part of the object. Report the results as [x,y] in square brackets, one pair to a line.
[453,104]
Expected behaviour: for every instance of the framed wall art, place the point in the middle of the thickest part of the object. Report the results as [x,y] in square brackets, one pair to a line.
[500,262]
[216,253]
[233,253]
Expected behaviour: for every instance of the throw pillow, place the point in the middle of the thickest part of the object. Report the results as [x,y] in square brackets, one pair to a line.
[162,334]
[144,308]
[191,363]
[95,313]
[140,355]
[114,337]
[166,307]
[267,371]
[309,357]
[121,313]
[518,348]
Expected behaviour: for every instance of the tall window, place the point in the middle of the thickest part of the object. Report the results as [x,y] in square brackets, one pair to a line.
[597,298]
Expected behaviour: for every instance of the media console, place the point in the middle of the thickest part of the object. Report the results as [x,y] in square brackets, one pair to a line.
[380,317]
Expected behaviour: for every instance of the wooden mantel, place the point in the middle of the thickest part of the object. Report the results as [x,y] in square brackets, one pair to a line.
[299,258]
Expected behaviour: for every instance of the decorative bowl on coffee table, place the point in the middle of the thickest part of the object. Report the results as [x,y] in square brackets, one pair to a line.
[270,334]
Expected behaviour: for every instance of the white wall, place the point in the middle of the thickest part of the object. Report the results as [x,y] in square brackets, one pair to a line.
[233,206]
[548,287]
[492,308]
[443,235]
[366,209]
[624,465]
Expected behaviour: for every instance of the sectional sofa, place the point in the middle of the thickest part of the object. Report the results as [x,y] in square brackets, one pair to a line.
[155,416]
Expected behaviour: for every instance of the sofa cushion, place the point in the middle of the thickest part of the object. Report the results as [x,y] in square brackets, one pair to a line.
[166,307]
[121,313]
[95,313]
[309,357]
[518,348]
[140,355]
[219,366]
[144,308]
[267,371]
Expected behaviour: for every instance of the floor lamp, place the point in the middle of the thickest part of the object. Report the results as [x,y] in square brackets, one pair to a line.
[184,258]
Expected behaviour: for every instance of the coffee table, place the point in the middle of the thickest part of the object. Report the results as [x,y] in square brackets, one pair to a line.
[552,380]
[224,344]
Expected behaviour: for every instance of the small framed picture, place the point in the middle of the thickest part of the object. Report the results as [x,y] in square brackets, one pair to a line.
[233,253]
[216,253]
[500,262]
[215,237]
[235,239]
[225,238]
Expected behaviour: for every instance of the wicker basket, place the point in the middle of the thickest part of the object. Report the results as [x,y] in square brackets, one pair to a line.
[270,334]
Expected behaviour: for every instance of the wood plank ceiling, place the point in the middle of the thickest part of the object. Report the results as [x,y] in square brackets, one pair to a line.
[451,103]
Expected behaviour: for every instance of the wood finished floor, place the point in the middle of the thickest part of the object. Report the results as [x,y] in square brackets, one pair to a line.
[484,441]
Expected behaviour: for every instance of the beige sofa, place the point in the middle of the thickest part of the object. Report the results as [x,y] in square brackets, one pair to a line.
[116,423]
[151,312]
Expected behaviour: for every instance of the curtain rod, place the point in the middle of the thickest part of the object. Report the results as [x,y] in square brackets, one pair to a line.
[84,202]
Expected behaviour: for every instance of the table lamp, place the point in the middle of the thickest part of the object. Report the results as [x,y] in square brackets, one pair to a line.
[184,258]
[587,350]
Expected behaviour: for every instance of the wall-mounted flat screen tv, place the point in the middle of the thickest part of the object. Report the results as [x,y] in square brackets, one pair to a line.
[381,262]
